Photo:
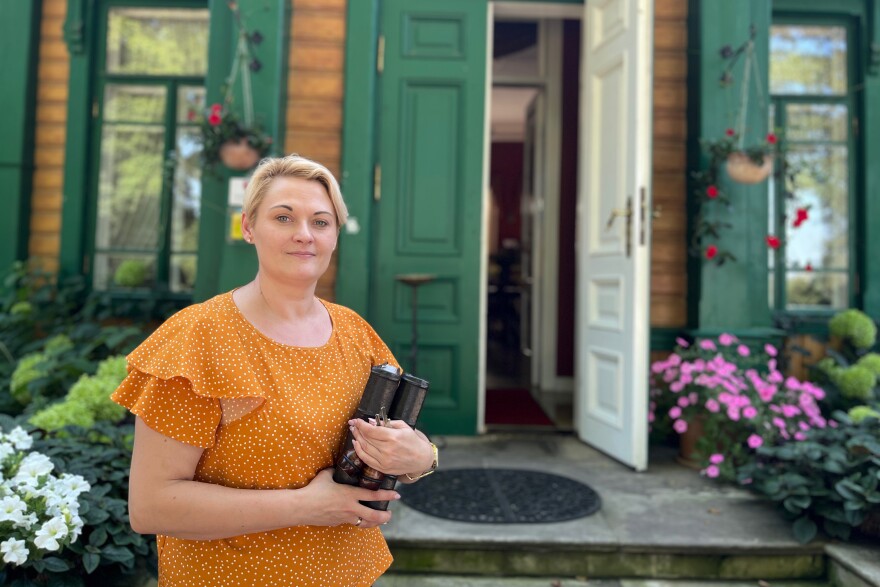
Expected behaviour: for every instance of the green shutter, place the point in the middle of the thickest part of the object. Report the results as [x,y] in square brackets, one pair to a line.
[428,219]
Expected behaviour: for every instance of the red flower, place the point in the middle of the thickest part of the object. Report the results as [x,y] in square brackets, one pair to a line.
[772,241]
[712,191]
[216,108]
[802,215]
[730,132]
[214,119]
[771,138]
[808,266]
[711,251]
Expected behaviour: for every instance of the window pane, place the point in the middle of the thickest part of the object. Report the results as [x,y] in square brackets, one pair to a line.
[816,122]
[128,103]
[190,104]
[813,290]
[128,271]
[808,60]
[170,41]
[187,192]
[130,187]
[819,181]
[183,273]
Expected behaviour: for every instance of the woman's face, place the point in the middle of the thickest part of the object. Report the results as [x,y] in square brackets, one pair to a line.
[294,230]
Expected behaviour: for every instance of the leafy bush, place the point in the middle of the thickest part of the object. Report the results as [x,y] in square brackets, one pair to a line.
[88,401]
[109,551]
[830,480]
[39,511]
[50,335]
[848,372]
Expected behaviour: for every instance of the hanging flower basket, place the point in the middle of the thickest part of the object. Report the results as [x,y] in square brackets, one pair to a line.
[238,154]
[744,169]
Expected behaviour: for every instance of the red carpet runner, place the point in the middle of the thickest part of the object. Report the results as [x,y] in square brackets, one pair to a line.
[514,407]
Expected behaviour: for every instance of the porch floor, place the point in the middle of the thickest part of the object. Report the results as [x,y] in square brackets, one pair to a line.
[666,523]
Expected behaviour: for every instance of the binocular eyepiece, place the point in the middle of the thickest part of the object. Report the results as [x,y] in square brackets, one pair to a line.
[387,395]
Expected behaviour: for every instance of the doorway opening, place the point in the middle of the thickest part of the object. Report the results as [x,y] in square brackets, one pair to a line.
[533,185]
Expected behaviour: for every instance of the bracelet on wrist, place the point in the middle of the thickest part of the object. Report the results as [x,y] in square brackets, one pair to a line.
[433,467]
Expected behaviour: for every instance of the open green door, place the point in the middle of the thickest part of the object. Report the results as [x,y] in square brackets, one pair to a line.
[427,217]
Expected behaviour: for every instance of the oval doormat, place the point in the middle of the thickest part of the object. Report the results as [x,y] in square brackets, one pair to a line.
[501,496]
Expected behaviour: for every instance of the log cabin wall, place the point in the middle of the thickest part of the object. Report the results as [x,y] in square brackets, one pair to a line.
[669,295]
[315,90]
[52,82]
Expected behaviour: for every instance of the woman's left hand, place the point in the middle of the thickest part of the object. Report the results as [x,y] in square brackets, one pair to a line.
[393,449]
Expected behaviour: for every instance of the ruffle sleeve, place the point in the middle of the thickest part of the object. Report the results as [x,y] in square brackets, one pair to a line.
[179,374]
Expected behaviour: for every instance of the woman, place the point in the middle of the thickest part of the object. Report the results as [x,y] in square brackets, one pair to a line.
[243,401]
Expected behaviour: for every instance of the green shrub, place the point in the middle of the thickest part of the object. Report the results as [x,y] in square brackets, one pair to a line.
[88,400]
[130,273]
[830,480]
[854,382]
[30,368]
[859,413]
[854,326]
[871,361]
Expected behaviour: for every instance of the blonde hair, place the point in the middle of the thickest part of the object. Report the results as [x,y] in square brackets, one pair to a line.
[291,166]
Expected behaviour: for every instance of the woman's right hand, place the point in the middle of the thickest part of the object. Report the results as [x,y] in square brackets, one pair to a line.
[327,503]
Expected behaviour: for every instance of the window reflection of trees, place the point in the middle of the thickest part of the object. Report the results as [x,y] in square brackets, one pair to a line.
[167,46]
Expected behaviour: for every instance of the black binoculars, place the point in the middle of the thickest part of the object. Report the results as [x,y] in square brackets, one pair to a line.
[387,395]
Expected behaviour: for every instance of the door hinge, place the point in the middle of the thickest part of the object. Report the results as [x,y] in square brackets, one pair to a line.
[377,182]
[857,284]
[86,264]
[855,126]
[95,108]
[380,54]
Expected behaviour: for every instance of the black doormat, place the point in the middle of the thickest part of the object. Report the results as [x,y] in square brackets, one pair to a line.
[501,496]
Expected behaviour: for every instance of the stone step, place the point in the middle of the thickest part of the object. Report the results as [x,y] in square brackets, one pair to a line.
[399,580]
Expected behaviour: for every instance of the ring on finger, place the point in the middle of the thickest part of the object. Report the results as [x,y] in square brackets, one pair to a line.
[358,523]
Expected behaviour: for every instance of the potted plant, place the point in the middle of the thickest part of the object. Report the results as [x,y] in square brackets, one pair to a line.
[227,140]
[738,398]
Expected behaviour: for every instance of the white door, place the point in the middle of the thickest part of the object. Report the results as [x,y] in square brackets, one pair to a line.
[613,269]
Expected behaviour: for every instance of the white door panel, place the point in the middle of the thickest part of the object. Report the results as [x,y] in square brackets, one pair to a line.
[613,271]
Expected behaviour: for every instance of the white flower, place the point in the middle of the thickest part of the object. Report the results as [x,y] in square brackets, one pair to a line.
[12,509]
[28,521]
[14,551]
[73,485]
[50,533]
[32,467]
[21,439]
[6,449]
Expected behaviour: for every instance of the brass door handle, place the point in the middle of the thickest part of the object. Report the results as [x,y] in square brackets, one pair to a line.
[616,213]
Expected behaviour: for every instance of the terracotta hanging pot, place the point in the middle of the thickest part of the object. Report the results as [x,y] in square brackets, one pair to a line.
[239,155]
[742,169]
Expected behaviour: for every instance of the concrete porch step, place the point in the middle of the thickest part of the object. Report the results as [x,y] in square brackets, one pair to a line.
[668,523]
[395,580]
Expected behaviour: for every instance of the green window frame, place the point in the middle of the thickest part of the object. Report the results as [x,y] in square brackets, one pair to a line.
[863,19]
[783,104]
[135,108]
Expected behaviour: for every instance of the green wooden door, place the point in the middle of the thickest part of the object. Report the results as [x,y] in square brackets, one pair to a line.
[428,214]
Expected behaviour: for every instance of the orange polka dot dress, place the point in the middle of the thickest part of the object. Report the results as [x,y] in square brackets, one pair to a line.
[209,352]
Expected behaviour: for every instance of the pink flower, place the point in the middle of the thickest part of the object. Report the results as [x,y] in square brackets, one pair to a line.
[651,416]
[680,426]
[800,436]
[716,459]
[727,339]
[707,345]
[743,350]
[749,412]
[733,414]
[693,397]
[684,402]
[754,441]
[712,471]
[770,350]
[676,386]
[682,342]
[712,406]
[675,412]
